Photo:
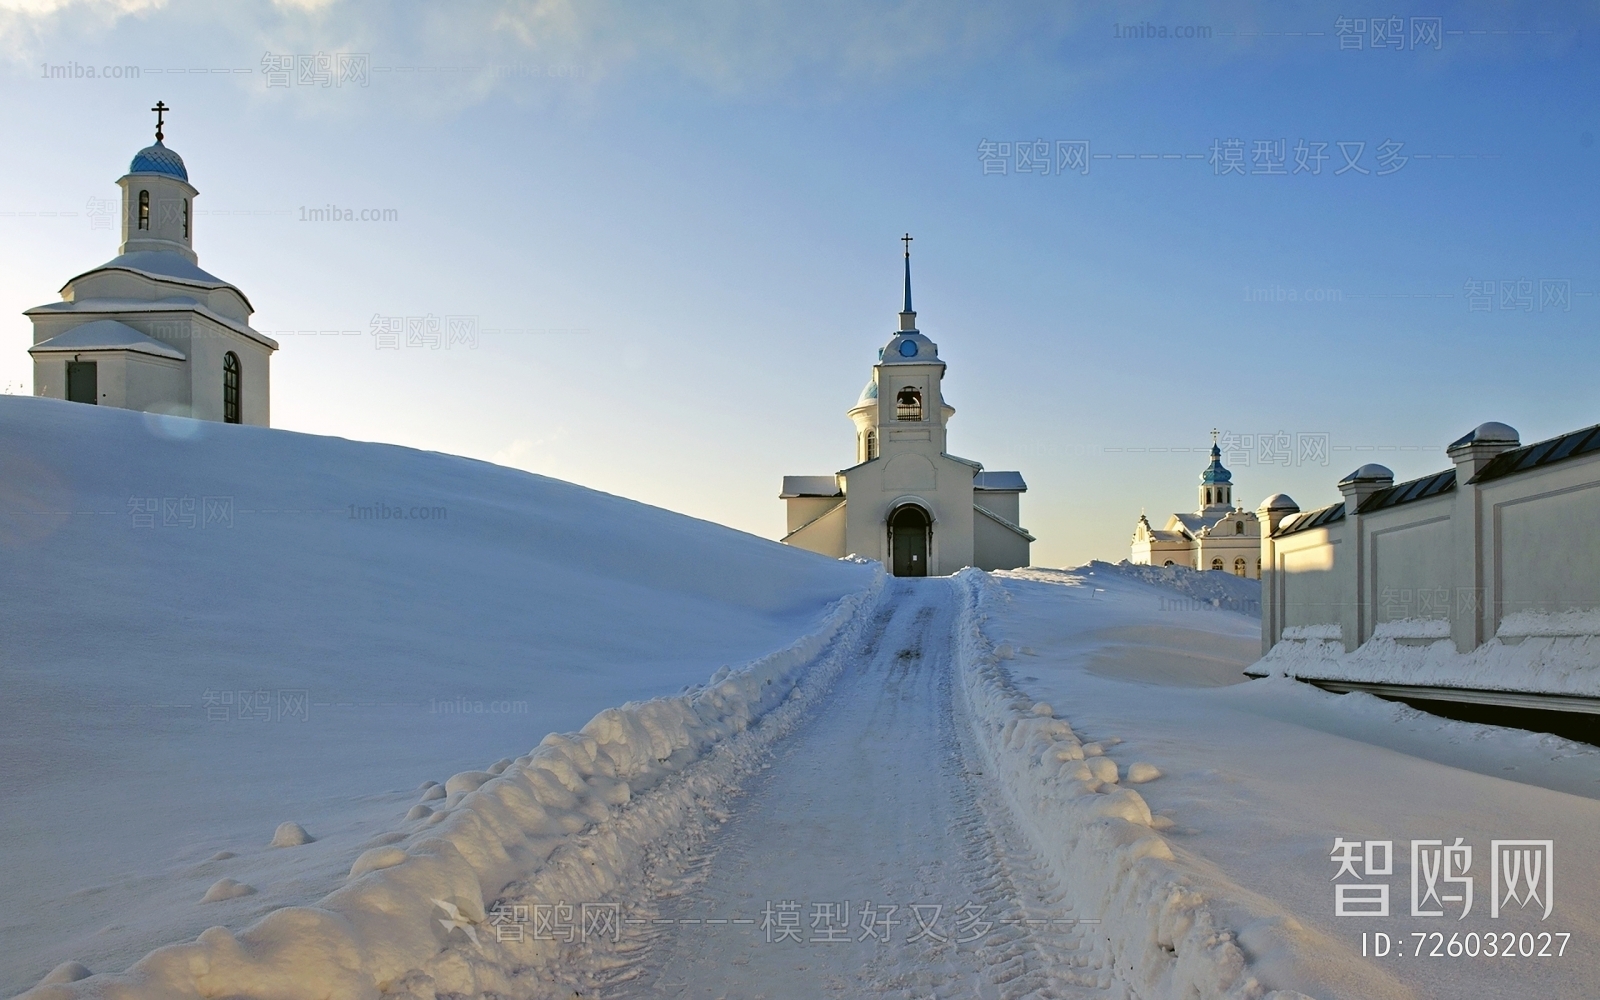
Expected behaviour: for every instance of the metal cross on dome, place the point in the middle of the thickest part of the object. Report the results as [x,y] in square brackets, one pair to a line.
[160,109]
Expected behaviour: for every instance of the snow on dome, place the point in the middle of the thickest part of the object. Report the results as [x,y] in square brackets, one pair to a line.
[158,159]
[1491,431]
[1279,501]
[909,347]
[1368,472]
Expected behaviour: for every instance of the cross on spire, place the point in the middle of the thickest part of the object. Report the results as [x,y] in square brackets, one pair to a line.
[161,110]
[1213,435]
[906,239]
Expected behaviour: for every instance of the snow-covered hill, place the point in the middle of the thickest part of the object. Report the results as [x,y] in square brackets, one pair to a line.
[209,630]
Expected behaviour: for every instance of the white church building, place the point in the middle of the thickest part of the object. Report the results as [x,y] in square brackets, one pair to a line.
[907,501]
[1215,536]
[149,330]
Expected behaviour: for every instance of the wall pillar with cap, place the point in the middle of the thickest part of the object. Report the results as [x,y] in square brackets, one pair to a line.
[1270,514]
[1355,572]
[1475,608]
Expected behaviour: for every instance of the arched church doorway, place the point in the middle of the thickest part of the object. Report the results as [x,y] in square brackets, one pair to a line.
[909,533]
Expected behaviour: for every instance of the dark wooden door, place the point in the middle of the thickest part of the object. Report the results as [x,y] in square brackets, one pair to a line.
[908,541]
[83,383]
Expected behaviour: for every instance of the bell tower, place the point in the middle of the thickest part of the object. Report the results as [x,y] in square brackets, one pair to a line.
[157,199]
[1216,483]
[903,406]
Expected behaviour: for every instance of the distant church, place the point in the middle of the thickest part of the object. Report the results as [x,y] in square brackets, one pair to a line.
[1217,536]
[906,501]
[149,330]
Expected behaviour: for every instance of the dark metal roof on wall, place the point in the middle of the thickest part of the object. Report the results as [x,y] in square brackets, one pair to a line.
[1312,519]
[1533,456]
[1005,482]
[1416,489]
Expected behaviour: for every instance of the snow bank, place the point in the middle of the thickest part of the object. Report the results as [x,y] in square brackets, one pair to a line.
[563,824]
[1175,925]
[1218,589]
[211,630]
[1532,652]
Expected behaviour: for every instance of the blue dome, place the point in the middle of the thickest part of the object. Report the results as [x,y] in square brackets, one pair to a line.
[1215,472]
[158,159]
[869,393]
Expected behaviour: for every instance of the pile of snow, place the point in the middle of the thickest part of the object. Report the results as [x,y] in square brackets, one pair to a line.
[568,821]
[1215,588]
[1260,777]
[1532,652]
[221,637]
[1173,925]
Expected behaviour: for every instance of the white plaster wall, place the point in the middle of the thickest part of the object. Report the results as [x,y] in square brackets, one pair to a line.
[1546,537]
[1412,563]
[996,546]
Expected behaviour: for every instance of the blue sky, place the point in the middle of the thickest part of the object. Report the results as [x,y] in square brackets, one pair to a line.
[691,219]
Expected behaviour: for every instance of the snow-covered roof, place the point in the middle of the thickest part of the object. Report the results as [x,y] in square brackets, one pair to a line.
[172,303]
[161,264]
[1008,525]
[810,486]
[1002,481]
[106,335]
[1196,523]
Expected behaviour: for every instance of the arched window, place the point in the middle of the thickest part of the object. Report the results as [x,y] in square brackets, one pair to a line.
[1258,569]
[872,445]
[1238,566]
[908,404]
[186,218]
[1208,496]
[1216,564]
[1167,563]
[230,388]
[1238,527]
[144,209]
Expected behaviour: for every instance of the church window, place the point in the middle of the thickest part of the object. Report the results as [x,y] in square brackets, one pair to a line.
[1238,567]
[230,388]
[872,445]
[1216,564]
[1258,569]
[1167,563]
[908,404]
[144,209]
[1208,496]
[186,218]
[1238,527]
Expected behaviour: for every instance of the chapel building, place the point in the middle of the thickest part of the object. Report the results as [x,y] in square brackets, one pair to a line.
[1216,536]
[149,330]
[907,502]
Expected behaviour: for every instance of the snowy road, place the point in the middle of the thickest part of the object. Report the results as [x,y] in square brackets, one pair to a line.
[865,857]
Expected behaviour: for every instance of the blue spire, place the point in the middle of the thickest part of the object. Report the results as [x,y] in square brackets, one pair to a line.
[906,239]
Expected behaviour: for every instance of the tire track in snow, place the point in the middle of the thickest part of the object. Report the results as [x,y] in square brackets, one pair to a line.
[873,800]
